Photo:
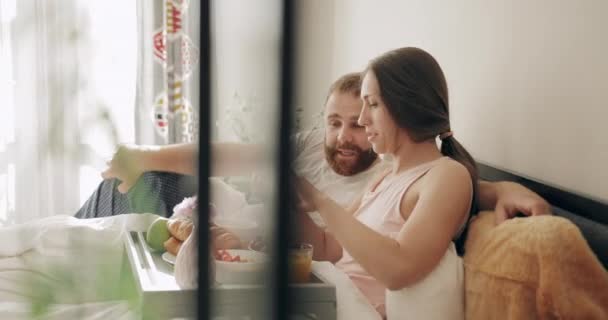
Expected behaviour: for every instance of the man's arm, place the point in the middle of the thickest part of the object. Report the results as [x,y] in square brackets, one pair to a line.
[228,159]
[131,161]
[508,199]
[487,195]
[178,158]
[237,159]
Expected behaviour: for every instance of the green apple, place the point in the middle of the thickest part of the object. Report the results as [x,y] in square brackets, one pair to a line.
[157,234]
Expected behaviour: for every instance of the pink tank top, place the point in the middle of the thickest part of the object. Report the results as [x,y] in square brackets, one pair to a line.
[380,211]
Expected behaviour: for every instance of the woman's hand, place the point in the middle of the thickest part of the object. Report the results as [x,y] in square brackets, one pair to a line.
[309,198]
[127,165]
[224,239]
[513,198]
[306,195]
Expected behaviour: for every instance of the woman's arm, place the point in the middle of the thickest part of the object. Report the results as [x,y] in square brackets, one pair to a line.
[442,204]
[325,246]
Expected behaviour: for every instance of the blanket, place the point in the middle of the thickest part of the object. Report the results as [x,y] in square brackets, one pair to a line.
[60,266]
[532,268]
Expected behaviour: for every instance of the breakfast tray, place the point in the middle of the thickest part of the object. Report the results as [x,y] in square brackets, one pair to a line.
[159,296]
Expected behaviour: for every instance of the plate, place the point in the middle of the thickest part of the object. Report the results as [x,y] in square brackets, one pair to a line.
[167,256]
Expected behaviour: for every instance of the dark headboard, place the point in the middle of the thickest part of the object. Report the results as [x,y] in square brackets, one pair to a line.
[590,215]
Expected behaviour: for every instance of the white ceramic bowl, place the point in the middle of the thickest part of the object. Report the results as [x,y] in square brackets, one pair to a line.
[246,230]
[251,272]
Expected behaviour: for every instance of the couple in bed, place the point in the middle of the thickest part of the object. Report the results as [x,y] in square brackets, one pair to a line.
[391,222]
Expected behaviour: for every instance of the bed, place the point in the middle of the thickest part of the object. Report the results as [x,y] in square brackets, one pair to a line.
[69,268]
[66,268]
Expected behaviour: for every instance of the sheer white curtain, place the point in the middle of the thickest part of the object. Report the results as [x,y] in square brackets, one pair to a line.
[60,122]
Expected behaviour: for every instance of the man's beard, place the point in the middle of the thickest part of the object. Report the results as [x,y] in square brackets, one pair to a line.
[363,160]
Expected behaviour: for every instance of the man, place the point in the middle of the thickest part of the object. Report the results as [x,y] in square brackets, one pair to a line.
[338,161]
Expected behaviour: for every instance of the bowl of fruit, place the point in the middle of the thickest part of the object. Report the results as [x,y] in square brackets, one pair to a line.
[237,266]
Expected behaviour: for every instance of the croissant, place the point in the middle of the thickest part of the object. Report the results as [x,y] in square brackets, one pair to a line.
[173,245]
[180,228]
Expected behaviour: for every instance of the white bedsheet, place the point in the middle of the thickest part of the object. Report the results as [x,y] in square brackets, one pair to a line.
[75,265]
[115,310]
[69,265]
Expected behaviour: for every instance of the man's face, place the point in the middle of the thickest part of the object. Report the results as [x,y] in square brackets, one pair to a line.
[346,147]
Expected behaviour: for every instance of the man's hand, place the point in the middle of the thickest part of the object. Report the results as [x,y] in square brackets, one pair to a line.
[126,165]
[513,198]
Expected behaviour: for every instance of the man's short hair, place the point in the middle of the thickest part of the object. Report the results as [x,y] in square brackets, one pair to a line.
[348,83]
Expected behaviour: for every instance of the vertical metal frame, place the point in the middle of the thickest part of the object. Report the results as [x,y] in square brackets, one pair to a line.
[281,294]
[204,159]
[281,297]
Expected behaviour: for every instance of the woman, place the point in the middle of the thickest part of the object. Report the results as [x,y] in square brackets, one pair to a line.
[401,230]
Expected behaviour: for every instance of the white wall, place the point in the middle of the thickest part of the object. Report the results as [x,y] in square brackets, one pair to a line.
[313,52]
[528,79]
[246,38]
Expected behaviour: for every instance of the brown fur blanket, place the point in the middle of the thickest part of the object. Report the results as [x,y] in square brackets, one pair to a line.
[532,268]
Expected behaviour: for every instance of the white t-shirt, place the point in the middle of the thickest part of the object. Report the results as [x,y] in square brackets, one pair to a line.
[310,163]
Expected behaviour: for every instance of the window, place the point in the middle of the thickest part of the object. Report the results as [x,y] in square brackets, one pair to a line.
[67,91]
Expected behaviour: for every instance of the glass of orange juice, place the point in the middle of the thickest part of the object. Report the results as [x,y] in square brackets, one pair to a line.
[300,262]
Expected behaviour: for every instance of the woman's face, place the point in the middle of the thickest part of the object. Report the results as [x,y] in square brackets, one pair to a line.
[381,130]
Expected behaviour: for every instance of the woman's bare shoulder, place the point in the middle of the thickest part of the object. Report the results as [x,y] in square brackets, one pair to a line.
[448,174]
